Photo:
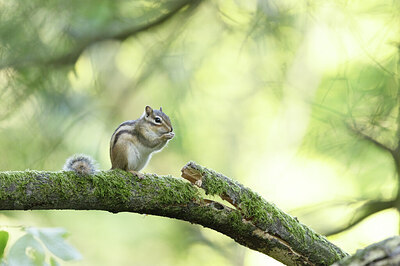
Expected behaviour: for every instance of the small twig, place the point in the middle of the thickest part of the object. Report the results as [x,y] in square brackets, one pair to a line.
[369,138]
[363,212]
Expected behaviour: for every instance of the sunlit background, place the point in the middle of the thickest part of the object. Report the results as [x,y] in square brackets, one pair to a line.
[261,91]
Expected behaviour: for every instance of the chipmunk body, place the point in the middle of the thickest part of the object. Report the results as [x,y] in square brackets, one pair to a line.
[134,141]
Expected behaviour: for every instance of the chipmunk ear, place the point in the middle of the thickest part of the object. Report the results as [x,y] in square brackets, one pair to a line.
[148,110]
[161,109]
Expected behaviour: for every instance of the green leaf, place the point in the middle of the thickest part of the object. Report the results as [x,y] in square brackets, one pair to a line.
[54,240]
[26,251]
[3,242]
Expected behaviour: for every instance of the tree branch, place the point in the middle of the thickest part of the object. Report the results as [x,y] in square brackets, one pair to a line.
[72,56]
[386,252]
[366,137]
[363,212]
[253,222]
[285,238]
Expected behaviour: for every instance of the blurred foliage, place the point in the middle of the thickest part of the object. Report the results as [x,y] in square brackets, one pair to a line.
[29,249]
[272,93]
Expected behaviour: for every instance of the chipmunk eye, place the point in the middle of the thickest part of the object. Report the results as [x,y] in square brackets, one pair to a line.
[157,120]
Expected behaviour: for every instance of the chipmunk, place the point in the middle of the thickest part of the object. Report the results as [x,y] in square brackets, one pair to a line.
[134,141]
[131,144]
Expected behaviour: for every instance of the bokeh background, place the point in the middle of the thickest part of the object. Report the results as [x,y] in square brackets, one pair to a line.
[271,93]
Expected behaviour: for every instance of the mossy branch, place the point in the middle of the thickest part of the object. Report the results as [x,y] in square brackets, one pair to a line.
[281,236]
[252,221]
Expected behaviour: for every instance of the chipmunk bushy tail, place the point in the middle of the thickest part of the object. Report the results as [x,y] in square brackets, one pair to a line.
[81,164]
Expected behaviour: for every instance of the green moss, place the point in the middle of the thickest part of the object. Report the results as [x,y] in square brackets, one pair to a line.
[19,185]
[111,185]
[156,190]
[214,186]
[168,190]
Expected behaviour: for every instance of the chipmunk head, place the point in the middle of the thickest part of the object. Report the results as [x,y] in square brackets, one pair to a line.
[158,119]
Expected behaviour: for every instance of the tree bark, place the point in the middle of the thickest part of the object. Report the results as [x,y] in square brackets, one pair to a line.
[251,221]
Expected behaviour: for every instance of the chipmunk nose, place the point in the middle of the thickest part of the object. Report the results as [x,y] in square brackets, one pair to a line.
[171,129]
